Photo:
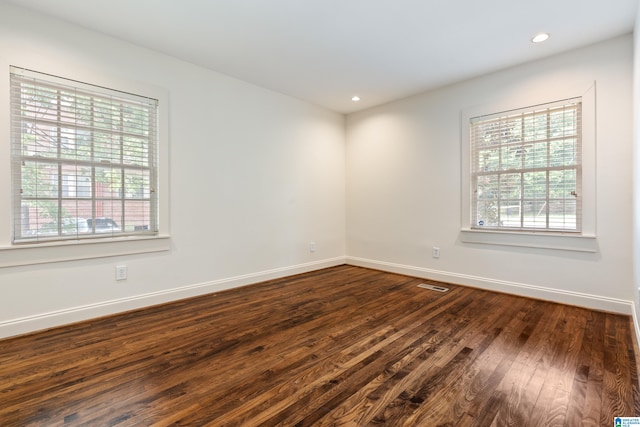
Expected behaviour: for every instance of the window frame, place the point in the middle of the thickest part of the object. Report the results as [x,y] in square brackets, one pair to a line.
[502,171]
[116,102]
[583,240]
[68,250]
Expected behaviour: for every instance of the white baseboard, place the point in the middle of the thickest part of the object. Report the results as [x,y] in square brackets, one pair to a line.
[52,319]
[595,302]
[636,326]
[48,320]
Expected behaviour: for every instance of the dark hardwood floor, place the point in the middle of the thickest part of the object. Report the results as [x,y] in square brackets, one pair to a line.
[342,346]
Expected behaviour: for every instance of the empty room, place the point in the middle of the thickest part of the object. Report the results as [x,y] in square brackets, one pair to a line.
[304,212]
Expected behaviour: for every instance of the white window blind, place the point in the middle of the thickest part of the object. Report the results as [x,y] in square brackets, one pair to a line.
[84,160]
[526,169]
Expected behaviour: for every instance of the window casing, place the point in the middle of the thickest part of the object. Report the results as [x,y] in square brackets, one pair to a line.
[526,169]
[84,160]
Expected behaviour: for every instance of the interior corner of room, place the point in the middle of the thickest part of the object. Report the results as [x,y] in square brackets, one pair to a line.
[257,184]
[262,185]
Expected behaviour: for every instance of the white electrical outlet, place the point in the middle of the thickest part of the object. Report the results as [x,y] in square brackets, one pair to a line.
[312,247]
[121,272]
[435,252]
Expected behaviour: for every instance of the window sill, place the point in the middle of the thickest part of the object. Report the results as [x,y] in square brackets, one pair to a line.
[42,253]
[539,240]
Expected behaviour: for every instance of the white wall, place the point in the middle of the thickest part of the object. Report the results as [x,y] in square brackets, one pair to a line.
[636,172]
[404,184]
[254,177]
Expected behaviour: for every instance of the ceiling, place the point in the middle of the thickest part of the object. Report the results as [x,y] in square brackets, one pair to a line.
[326,51]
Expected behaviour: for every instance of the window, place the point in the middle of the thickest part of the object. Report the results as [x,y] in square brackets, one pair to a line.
[526,169]
[84,160]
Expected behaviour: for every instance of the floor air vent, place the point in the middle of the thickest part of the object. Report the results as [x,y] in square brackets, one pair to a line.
[432,287]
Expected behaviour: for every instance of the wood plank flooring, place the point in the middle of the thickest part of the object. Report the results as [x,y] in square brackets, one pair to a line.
[344,346]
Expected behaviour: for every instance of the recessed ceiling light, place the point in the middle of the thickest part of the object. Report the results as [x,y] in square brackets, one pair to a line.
[355,98]
[539,38]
